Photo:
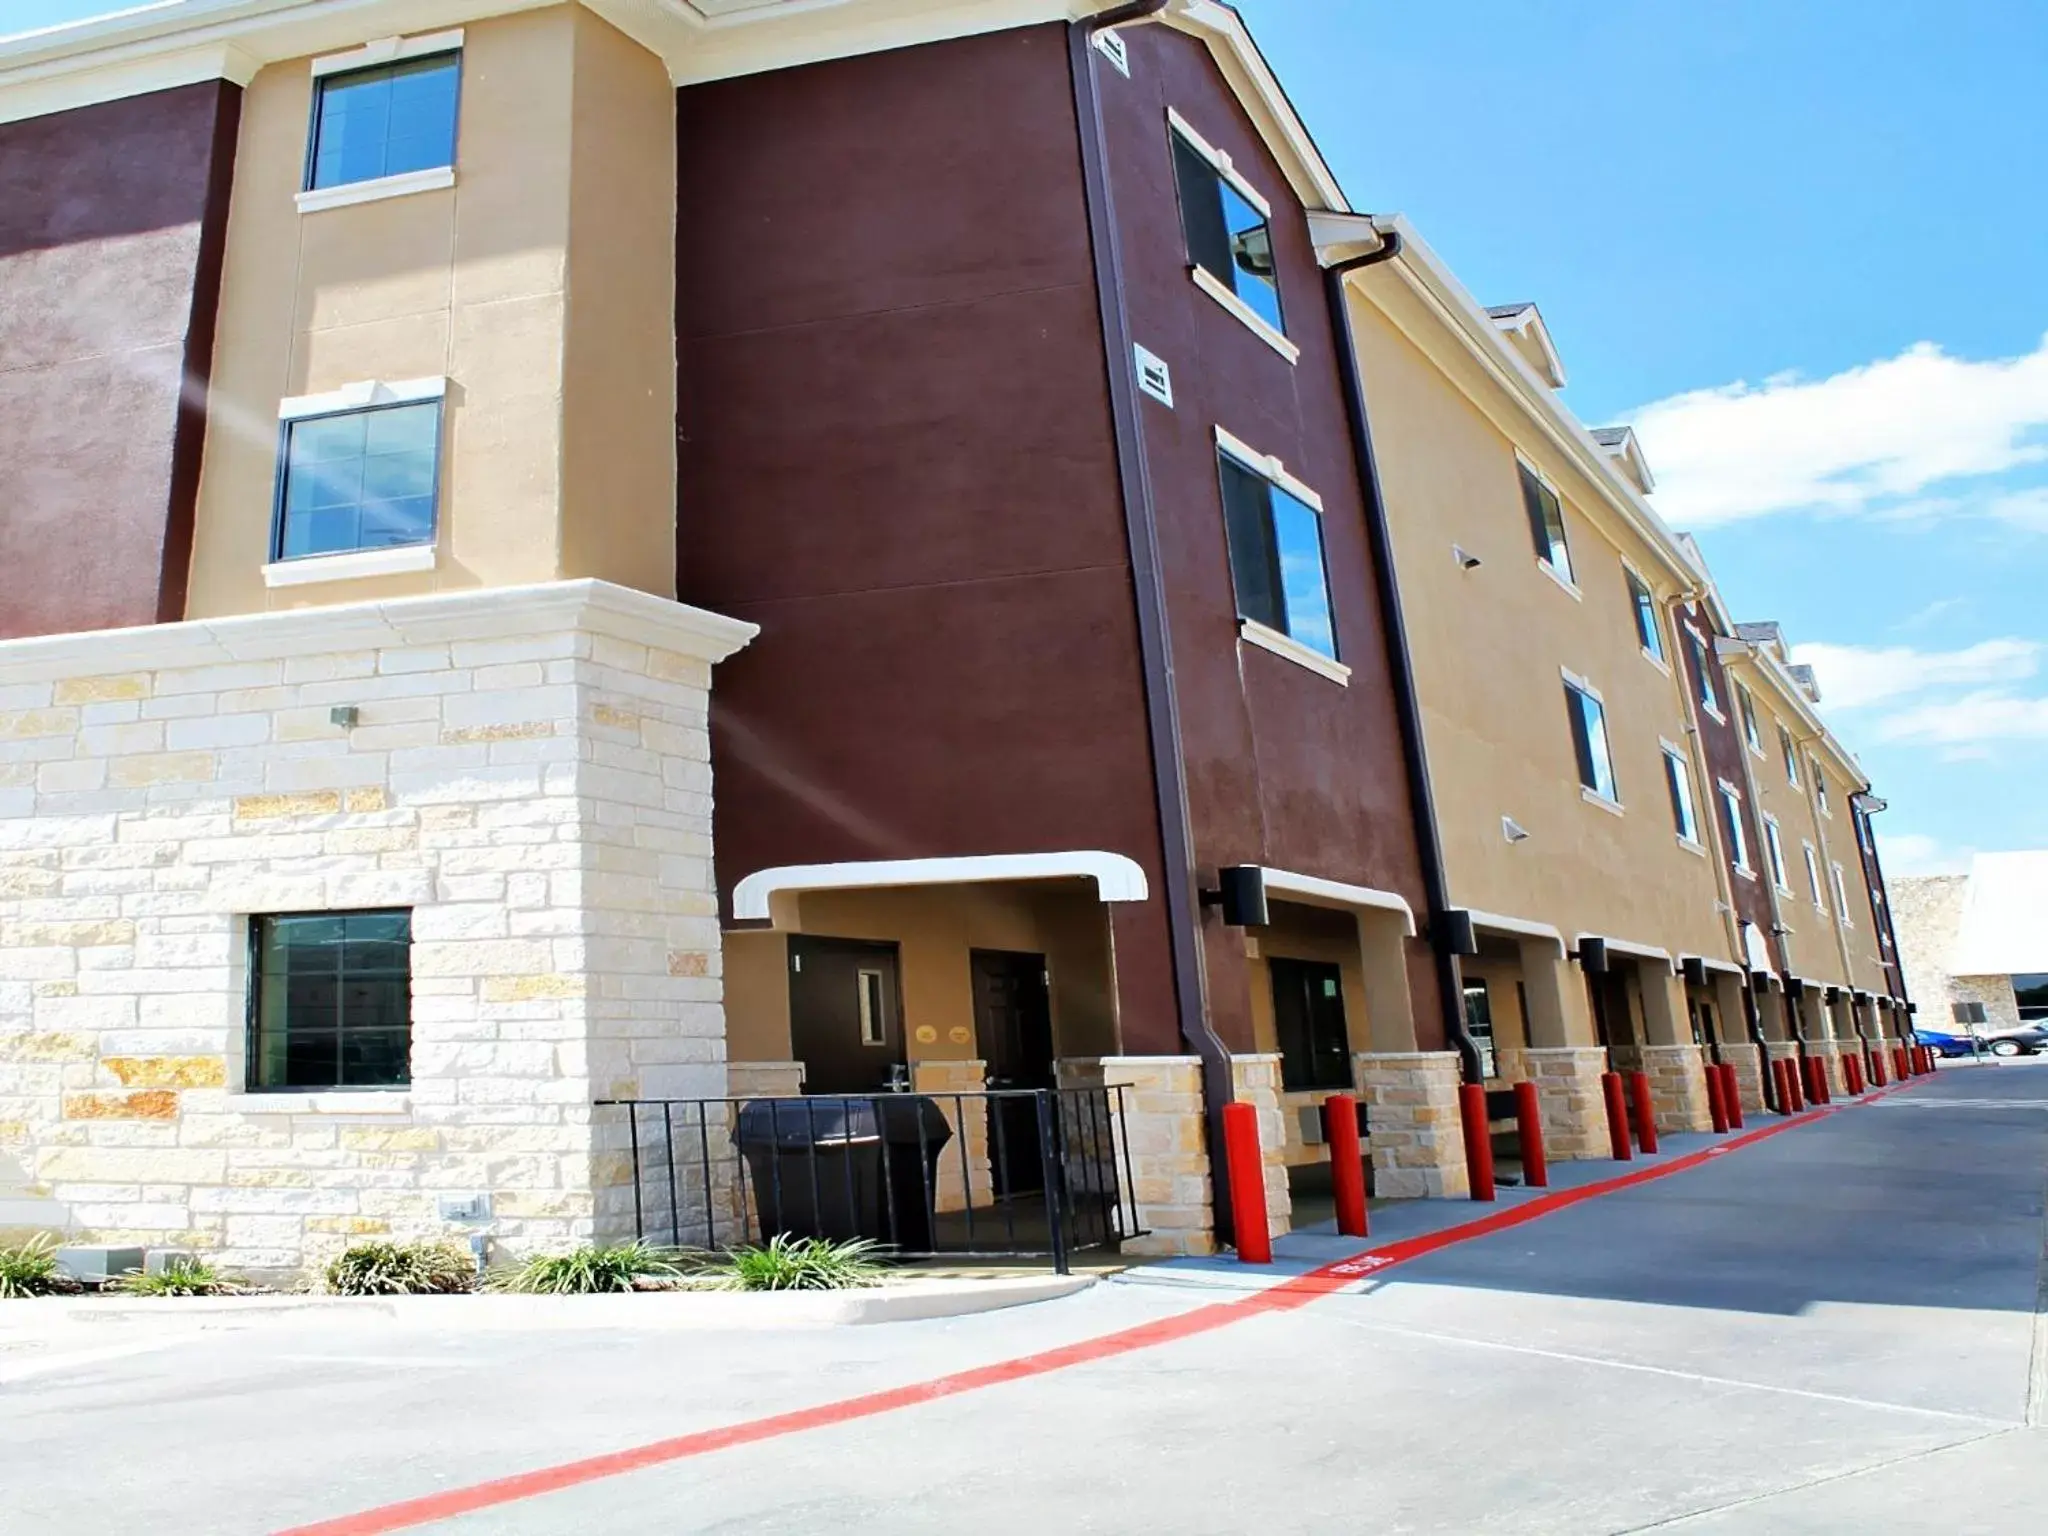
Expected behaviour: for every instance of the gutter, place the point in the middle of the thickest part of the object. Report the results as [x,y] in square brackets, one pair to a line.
[1148,581]
[1400,663]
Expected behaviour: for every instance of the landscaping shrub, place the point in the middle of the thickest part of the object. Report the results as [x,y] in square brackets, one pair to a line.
[401,1269]
[591,1269]
[30,1268]
[801,1264]
[181,1276]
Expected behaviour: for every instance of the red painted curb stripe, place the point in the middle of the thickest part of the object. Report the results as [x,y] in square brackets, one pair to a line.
[1285,1296]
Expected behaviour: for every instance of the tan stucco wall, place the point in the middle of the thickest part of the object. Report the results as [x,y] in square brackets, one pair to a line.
[1489,645]
[506,284]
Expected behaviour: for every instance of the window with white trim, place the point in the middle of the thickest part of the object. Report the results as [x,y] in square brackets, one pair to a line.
[1820,786]
[1227,225]
[1841,899]
[1546,524]
[1791,754]
[358,477]
[1746,701]
[1678,779]
[1276,550]
[1731,815]
[1774,850]
[385,120]
[1648,633]
[1703,675]
[1813,876]
[1588,716]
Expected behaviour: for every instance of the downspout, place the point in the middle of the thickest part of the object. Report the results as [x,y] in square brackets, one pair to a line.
[1400,663]
[1724,882]
[1155,641]
[1795,1025]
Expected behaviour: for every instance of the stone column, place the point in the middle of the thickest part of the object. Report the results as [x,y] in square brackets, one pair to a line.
[1255,1080]
[1677,1073]
[764,1079]
[1160,1140]
[1418,1147]
[1567,1080]
[1559,1012]
[943,1080]
[1818,1021]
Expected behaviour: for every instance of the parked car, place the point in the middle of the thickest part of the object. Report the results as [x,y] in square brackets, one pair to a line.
[2023,1041]
[1945,1044]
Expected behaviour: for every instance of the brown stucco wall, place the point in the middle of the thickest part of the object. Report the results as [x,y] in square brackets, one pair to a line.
[1285,767]
[111,225]
[1728,756]
[895,455]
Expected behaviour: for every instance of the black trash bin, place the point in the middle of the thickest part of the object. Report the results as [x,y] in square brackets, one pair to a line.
[842,1168]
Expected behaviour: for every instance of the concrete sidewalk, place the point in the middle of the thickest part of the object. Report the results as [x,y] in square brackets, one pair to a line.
[1832,1329]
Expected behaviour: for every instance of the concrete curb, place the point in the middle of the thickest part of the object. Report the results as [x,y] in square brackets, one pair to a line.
[657,1311]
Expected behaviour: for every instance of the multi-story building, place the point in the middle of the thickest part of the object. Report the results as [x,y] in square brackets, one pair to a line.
[405,407]
[1974,946]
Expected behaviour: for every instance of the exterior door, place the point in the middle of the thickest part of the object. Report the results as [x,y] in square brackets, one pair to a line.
[845,1017]
[1013,1024]
[1308,1016]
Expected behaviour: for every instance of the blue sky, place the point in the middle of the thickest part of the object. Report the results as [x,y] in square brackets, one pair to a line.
[1803,247]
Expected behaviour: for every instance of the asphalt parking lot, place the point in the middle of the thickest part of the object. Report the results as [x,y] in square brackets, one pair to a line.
[1836,1326]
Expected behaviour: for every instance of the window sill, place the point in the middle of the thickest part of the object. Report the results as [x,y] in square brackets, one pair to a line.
[1255,322]
[1594,797]
[1656,661]
[1691,846]
[1713,714]
[1286,645]
[1560,578]
[433,179]
[360,1101]
[314,569]
[1746,874]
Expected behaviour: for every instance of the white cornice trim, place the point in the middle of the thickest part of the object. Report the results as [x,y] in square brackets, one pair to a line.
[1519,927]
[489,613]
[1629,947]
[1314,890]
[1116,877]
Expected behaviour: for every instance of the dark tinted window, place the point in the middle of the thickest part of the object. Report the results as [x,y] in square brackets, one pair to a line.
[1227,237]
[1546,524]
[1645,604]
[2030,991]
[1276,557]
[1308,1015]
[1589,742]
[359,480]
[332,1000]
[384,121]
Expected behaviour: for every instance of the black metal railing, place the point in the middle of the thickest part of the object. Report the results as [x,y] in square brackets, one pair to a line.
[1038,1173]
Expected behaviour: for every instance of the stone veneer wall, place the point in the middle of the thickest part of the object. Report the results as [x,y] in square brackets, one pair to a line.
[1678,1087]
[1255,1080]
[940,1079]
[1567,1079]
[528,773]
[1747,1061]
[1162,1138]
[1417,1139]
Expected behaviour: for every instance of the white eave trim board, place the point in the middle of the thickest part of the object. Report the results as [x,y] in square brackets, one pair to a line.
[1116,877]
[1628,947]
[1518,927]
[1313,890]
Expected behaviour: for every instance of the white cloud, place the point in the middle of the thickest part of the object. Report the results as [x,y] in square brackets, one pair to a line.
[1852,676]
[1915,853]
[1969,721]
[1859,439]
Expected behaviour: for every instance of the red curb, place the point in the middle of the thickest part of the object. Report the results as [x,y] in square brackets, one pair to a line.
[1286,1296]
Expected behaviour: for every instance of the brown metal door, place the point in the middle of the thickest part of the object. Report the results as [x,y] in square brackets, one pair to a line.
[1013,1023]
[845,1017]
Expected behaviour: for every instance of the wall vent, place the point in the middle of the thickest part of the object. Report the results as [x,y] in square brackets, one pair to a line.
[1114,49]
[1154,377]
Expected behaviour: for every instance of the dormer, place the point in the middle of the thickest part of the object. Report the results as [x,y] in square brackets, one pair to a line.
[1523,326]
[1766,636]
[1802,674]
[1620,445]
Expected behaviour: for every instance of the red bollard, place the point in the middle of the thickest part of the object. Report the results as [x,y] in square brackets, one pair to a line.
[1645,1112]
[1731,1095]
[1529,1130]
[1478,1139]
[1901,1063]
[1347,1164]
[1717,1102]
[1852,1069]
[1795,1082]
[1816,1084]
[1247,1184]
[1877,1077]
[1617,1116]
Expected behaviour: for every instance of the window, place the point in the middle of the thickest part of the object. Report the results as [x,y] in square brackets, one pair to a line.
[330,1000]
[1546,524]
[1589,740]
[358,479]
[1308,1016]
[1702,671]
[1750,733]
[1645,605]
[1228,235]
[1479,1024]
[1774,849]
[1841,898]
[1678,779]
[1276,553]
[1820,787]
[1791,756]
[874,1022]
[383,121]
[2030,991]
[1738,840]
[1813,876]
